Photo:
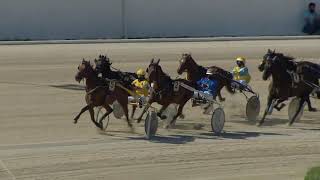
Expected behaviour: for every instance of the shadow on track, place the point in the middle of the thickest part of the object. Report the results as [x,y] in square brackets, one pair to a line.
[268,121]
[69,87]
[173,139]
[243,135]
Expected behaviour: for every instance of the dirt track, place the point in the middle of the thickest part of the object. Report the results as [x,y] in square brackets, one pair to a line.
[39,141]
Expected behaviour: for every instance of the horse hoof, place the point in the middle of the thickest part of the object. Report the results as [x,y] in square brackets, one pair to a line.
[163,117]
[75,122]
[259,124]
[167,126]
[289,124]
[312,110]
[138,120]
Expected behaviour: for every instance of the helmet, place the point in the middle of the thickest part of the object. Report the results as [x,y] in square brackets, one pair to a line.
[141,72]
[241,59]
[210,71]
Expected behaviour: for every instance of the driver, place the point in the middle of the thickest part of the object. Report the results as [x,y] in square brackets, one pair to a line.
[240,72]
[141,87]
[208,86]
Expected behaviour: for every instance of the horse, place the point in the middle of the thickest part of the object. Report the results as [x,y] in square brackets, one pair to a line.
[99,94]
[163,92]
[103,67]
[282,86]
[309,71]
[195,72]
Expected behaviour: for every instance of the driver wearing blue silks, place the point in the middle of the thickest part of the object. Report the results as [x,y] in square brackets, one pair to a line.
[208,86]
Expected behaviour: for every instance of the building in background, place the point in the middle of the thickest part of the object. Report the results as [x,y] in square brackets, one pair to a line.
[91,19]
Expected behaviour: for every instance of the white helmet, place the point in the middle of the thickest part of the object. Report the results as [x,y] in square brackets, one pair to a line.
[210,71]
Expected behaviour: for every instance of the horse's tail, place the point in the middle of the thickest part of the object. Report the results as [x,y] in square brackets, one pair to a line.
[229,87]
[226,77]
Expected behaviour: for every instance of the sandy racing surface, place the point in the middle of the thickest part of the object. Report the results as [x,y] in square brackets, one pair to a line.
[39,98]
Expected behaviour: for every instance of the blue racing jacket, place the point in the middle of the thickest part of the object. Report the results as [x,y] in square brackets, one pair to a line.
[208,86]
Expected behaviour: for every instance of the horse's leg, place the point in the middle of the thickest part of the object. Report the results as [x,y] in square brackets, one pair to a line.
[164,107]
[173,121]
[134,107]
[302,100]
[310,108]
[92,117]
[221,99]
[279,102]
[145,109]
[84,109]
[109,111]
[270,100]
[124,104]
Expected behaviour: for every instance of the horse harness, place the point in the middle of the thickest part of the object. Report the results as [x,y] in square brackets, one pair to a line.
[166,90]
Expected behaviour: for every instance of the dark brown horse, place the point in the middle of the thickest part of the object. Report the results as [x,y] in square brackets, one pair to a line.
[305,70]
[103,66]
[283,85]
[195,72]
[99,94]
[162,91]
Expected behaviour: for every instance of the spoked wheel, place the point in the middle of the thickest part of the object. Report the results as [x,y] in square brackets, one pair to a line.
[151,124]
[217,121]
[100,112]
[293,108]
[253,108]
[117,110]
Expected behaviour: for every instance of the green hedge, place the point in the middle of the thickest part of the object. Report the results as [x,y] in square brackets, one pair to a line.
[313,174]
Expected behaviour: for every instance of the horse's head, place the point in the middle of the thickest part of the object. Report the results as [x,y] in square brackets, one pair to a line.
[85,70]
[269,63]
[185,63]
[102,64]
[154,72]
[269,55]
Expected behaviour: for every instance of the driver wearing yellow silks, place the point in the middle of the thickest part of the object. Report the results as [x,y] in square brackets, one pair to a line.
[241,72]
[141,87]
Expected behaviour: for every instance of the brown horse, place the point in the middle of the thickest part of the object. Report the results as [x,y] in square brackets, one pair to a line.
[162,91]
[195,72]
[99,94]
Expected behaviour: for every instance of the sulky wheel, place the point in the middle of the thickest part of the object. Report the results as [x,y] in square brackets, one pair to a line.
[117,110]
[151,124]
[253,108]
[217,120]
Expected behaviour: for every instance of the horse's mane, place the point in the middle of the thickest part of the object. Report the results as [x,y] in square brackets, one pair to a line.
[288,62]
[165,75]
[87,63]
[203,69]
[285,57]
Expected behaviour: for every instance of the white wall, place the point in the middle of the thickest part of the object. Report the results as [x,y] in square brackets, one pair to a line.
[214,17]
[60,19]
[80,19]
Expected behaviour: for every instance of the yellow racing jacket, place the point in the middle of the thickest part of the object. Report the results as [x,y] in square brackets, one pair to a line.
[241,74]
[142,87]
